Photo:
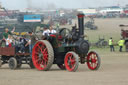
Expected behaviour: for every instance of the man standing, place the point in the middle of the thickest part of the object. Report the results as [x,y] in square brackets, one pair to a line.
[32,40]
[7,32]
[46,31]
[52,31]
[121,44]
[111,44]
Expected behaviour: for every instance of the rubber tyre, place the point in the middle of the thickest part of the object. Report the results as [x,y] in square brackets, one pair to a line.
[71,65]
[12,63]
[93,61]
[61,66]
[50,55]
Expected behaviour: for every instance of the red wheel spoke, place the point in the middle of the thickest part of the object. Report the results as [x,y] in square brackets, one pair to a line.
[44,63]
[44,51]
[95,56]
[73,64]
[73,61]
[45,58]
[36,52]
[38,61]
[39,47]
[92,56]
[70,58]
[93,65]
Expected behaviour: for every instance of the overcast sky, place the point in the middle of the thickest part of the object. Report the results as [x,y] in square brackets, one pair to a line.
[21,4]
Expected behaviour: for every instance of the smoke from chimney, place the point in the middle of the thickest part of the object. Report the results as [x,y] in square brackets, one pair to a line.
[40,5]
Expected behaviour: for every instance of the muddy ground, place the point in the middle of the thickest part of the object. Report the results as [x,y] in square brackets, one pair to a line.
[113,71]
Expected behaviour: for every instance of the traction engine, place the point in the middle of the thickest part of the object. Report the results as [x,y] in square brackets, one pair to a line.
[66,49]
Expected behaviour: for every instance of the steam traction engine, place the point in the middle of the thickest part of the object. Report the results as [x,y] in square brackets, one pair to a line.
[66,49]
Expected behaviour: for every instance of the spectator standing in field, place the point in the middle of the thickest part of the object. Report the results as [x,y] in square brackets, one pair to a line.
[121,44]
[111,44]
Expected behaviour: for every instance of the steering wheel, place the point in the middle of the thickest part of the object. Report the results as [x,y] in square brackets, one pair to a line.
[65,33]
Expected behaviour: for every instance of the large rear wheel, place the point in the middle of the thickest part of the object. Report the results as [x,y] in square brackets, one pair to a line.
[42,55]
[71,61]
[93,60]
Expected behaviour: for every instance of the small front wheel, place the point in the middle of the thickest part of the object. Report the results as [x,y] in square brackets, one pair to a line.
[71,61]
[93,60]
[12,63]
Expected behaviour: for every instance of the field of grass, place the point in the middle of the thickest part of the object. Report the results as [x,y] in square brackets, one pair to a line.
[106,28]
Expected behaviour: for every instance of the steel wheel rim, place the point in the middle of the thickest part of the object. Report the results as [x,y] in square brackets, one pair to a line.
[92,60]
[40,55]
[70,62]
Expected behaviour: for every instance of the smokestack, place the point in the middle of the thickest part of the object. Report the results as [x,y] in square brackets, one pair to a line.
[81,24]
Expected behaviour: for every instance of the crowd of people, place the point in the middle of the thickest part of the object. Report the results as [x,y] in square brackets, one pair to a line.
[21,43]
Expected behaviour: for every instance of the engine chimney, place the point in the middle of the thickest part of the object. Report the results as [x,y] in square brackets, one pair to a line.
[81,25]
